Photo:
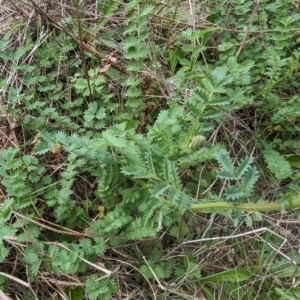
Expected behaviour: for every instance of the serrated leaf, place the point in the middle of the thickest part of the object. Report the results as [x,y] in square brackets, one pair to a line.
[30,255]
[100,246]
[101,114]
[93,72]
[277,164]
[3,252]
[199,94]
[131,5]
[236,94]
[114,221]
[234,193]
[243,166]
[86,245]
[114,141]
[134,92]
[80,84]
[214,88]
[249,180]
[137,51]
[159,189]
[248,221]
[212,114]
[174,176]
[62,137]
[219,73]
[187,34]
[146,271]
[219,102]
[35,267]
[159,271]
[149,162]
[174,196]
[247,65]
[225,161]
[226,175]
[140,228]
[257,216]
[141,233]
[5,209]
[146,10]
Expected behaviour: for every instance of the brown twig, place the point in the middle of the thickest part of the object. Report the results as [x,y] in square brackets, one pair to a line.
[255,7]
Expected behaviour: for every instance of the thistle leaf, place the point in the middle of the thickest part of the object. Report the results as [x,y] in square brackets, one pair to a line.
[225,162]
[243,166]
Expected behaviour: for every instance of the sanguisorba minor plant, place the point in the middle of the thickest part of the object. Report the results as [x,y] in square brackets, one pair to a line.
[122,155]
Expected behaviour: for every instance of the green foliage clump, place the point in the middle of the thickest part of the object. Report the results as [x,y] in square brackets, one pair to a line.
[128,154]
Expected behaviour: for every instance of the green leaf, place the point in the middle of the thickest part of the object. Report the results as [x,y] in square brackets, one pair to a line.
[174,195]
[188,34]
[226,175]
[80,84]
[277,164]
[146,10]
[7,55]
[137,51]
[6,40]
[233,275]
[30,255]
[100,288]
[113,140]
[131,5]
[100,246]
[249,221]
[199,94]
[29,79]
[86,245]
[3,251]
[146,271]
[225,161]
[219,73]
[141,228]
[5,209]
[243,167]
[294,161]
[149,162]
[249,180]
[284,294]
[159,189]
[114,221]
[76,293]
[133,92]
[234,193]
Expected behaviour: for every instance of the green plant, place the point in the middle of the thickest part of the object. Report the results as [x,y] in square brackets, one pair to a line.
[116,163]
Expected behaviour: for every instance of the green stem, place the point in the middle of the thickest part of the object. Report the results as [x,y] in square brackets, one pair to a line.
[270,206]
[262,207]
[214,206]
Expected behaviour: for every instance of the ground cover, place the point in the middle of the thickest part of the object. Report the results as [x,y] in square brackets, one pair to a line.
[149,149]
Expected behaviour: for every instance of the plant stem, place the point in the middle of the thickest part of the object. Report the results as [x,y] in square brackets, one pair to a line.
[271,206]
[261,207]
[213,207]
